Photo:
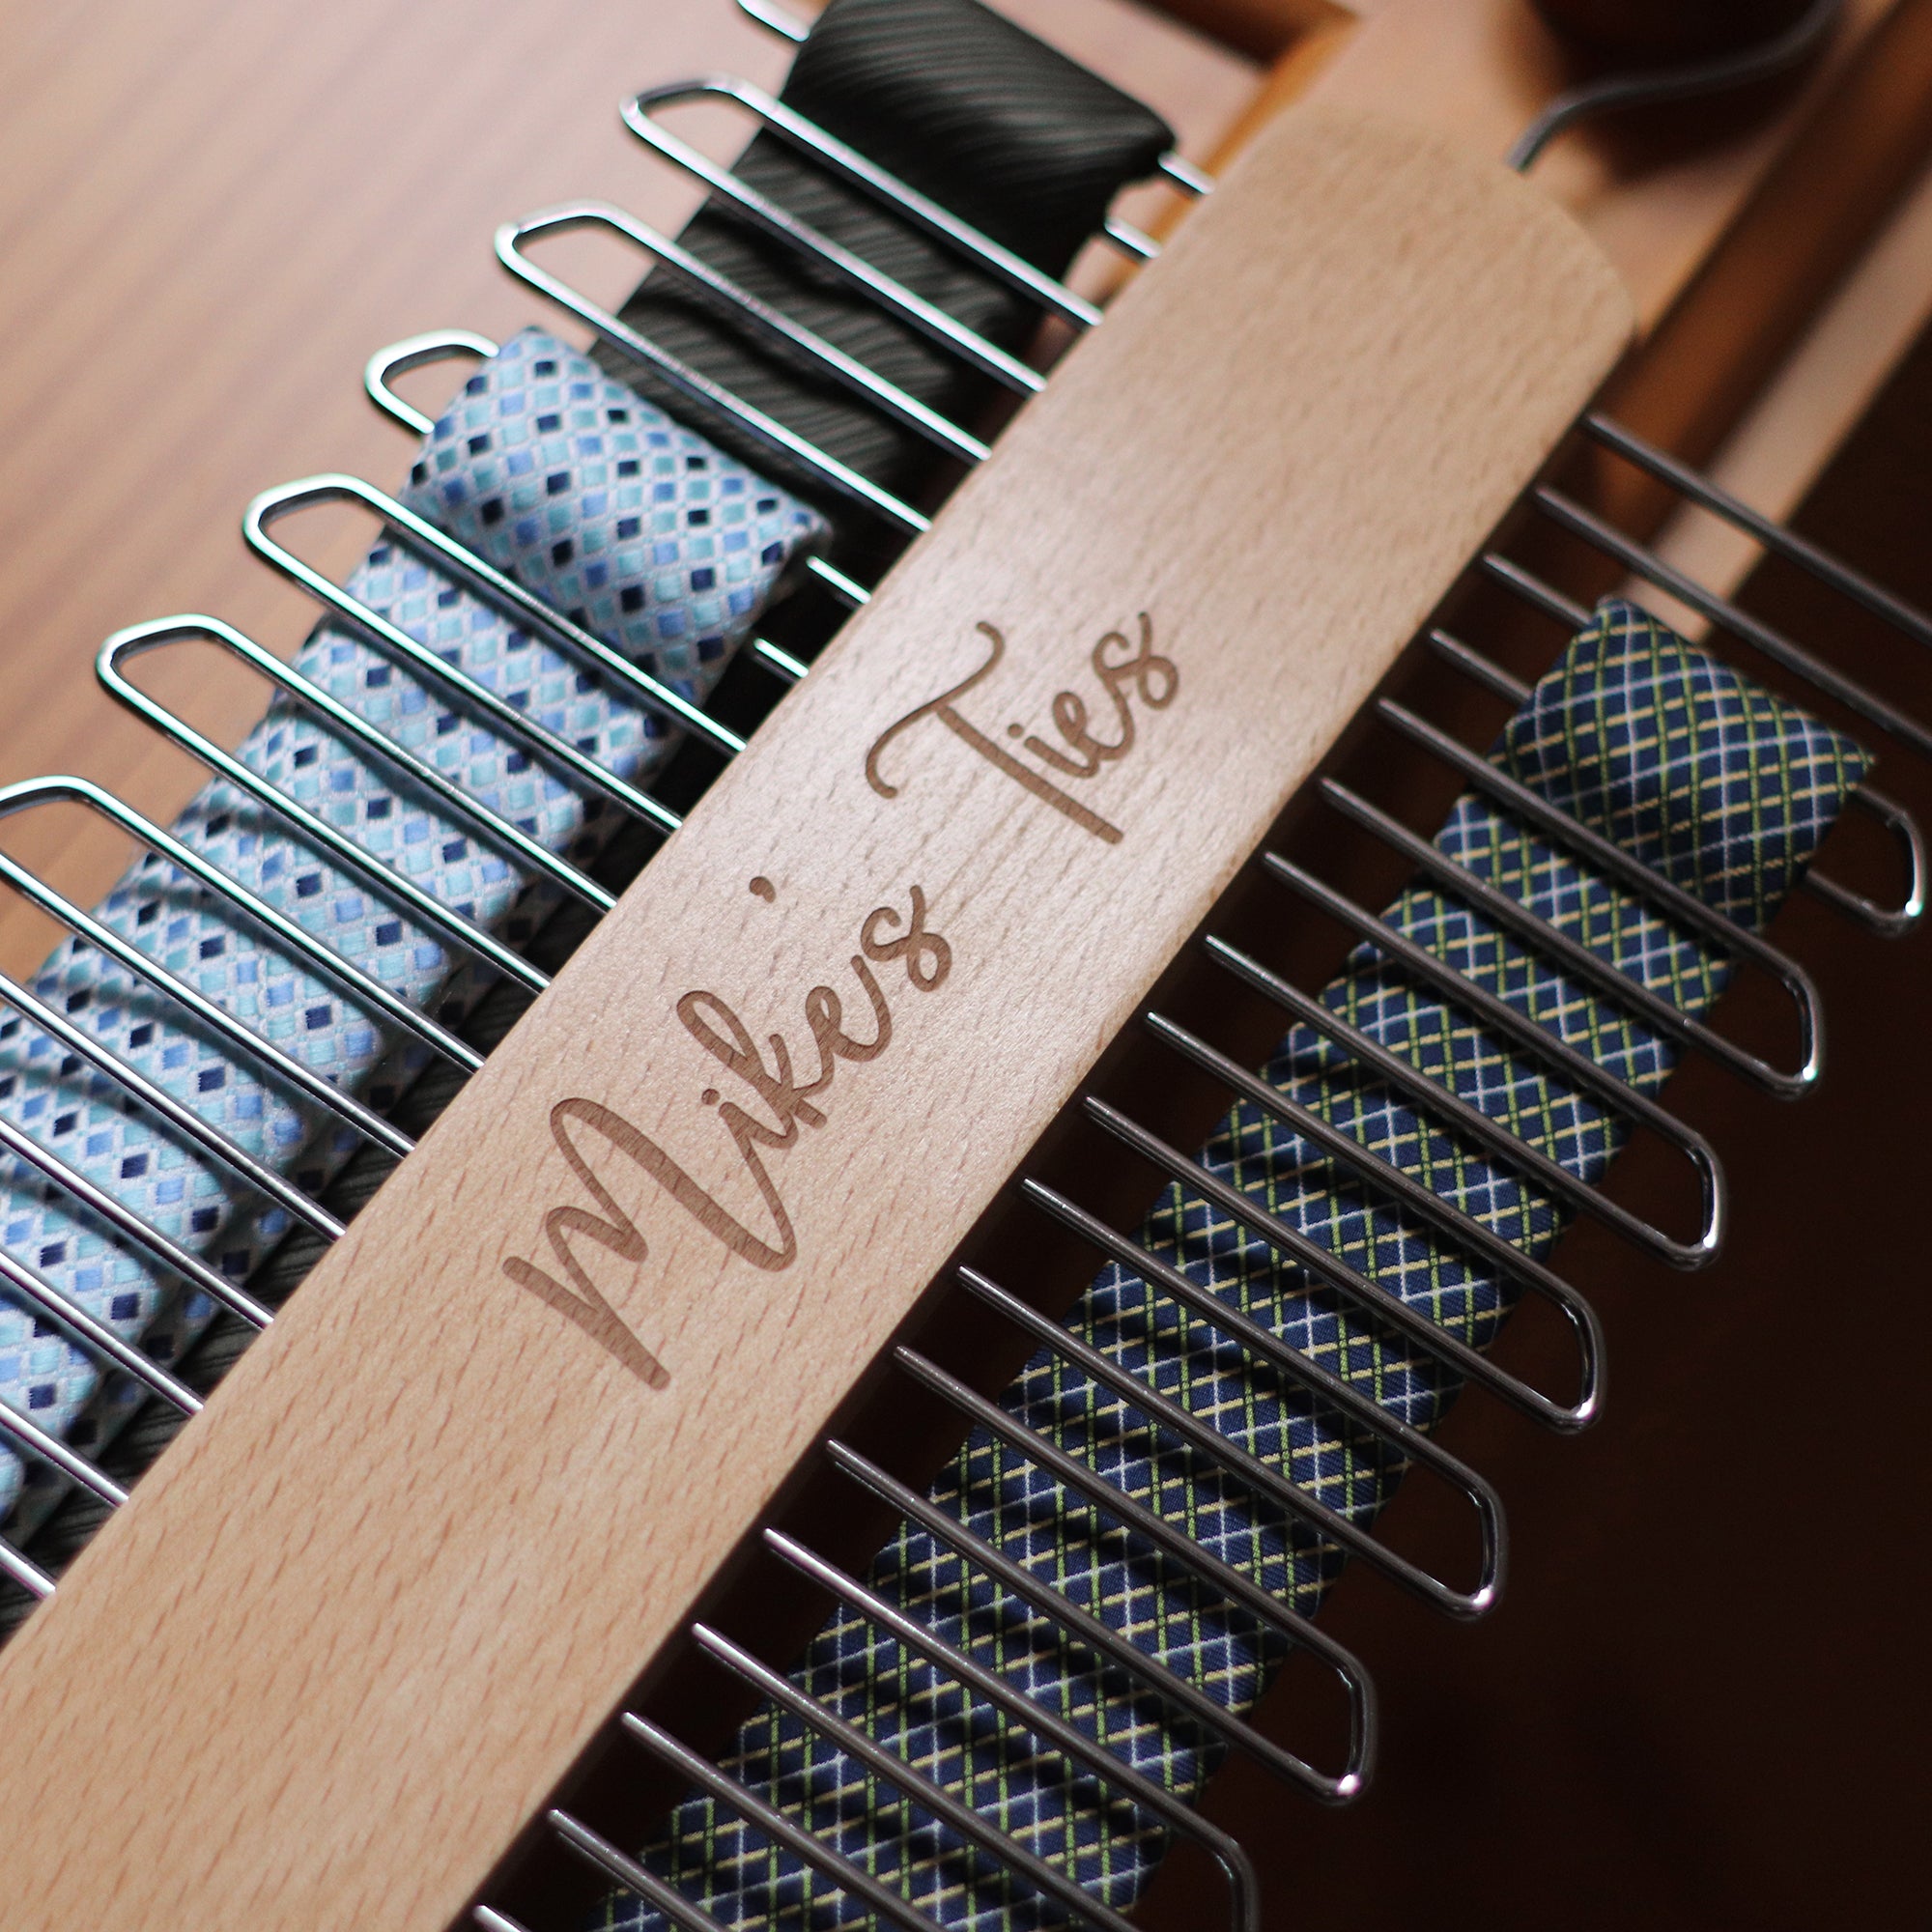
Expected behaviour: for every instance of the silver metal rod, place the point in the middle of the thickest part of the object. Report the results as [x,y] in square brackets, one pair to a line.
[184,1120]
[380,877]
[1887,922]
[850,165]
[479,575]
[1390,1069]
[1428,1335]
[1604,536]
[692,384]
[30,1435]
[213,1016]
[1075,1746]
[82,1328]
[1498,1016]
[1576,958]
[419,350]
[118,1214]
[25,1572]
[1159,1678]
[789,336]
[789,26]
[926,1793]
[321,956]
[606,1858]
[781,662]
[1532,589]
[850,1877]
[477,815]
[1184,175]
[1384,1174]
[1220,1449]
[414,352]
[1156,1680]
[1130,240]
[777,20]
[1361,1409]
[1485,671]
[1380,1173]
[1772,535]
[1523,801]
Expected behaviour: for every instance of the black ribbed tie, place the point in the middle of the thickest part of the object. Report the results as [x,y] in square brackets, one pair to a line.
[972,112]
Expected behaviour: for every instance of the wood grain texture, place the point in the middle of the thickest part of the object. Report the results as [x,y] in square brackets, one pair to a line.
[364,1613]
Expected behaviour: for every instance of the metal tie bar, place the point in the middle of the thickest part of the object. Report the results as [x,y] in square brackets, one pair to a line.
[848,164]
[1498,1016]
[1602,535]
[321,956]
[601,1854]
[36,1442]
[1425,1091]
[1887,922]
[312,1085]
[416,352]
[183,1119]
[117,1215]
[479,575]
[699,389]
[1155,1677]
[91,1335]
[23,1570]
[926,1793]
[789,337]
[850,1877]
[789,26]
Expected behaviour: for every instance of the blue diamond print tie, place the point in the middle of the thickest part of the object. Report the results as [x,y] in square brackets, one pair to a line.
[1724,789]
[596,502]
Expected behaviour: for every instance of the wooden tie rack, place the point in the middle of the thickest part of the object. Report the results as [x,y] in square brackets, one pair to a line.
[358,1627]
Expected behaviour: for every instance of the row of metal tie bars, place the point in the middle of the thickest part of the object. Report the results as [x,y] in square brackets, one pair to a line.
[710,401]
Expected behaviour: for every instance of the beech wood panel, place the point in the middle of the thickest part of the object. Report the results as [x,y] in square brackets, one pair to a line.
[364,1613]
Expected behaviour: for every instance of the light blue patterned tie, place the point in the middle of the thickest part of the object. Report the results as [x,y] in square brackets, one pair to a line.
[597,502]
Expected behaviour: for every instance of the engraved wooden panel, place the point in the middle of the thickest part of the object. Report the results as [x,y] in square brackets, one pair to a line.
[348,1634]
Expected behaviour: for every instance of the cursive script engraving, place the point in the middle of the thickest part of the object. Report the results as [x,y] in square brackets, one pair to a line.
[776,1104]
[1122,669]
